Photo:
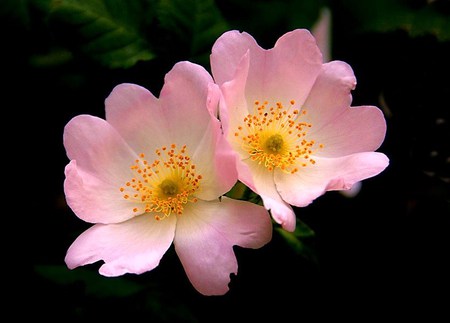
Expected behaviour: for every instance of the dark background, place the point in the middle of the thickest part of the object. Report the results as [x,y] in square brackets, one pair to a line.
[382,254]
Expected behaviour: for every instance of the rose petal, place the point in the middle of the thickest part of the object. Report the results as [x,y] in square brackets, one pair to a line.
[184,99]
[138,117]
[357,129]
[100,165]
[205,237]
[330,96]
[301,188]
[227,53]
[233,104]
[134,246]
[285,72]
[322,33]
[216,162]
[261,181]
[94,200]
[281,212]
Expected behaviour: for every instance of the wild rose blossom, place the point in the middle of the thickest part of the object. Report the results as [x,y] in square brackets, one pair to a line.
[154,173]
[288,116]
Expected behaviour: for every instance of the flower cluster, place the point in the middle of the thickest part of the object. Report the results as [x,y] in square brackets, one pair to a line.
[155,171]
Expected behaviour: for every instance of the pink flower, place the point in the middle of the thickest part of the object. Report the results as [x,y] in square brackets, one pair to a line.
[153,173]
[288,116]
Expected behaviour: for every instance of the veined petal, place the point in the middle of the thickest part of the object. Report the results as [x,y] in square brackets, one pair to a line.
[281,212]
[97,147]
[256,177]
[134,246]
[327,174]
[322,33]
[227,52]
[205,236]
[341,129]
[100,166]
[233,103]
[185,99]
[357,129]
[138,116]
[261,181]
[191,100]
[330,95]
[216,162]
[286,71]
[94,200]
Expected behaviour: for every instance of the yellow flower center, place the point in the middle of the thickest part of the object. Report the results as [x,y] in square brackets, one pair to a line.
[274,136]
[274,144]
[165,185]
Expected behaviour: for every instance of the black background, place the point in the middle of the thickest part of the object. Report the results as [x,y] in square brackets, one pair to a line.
[382,254]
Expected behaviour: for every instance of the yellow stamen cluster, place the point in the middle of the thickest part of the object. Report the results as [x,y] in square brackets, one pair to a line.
[165,185]
[275,137]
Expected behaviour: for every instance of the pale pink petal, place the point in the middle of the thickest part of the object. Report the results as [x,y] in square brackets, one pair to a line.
[280,211]
[134,246]
[233,104]
[342,129]
[330,96]
[97,147]
[285,72]
[321,31]
[185,99]
[292,66]
[100,165]
[205,236]
[261,181]
[138,117]
[94,200]
[190,100]
[357,129]
[227,52]
[301,188]
[216,162]
[188,97]
[352,191]
[256,177]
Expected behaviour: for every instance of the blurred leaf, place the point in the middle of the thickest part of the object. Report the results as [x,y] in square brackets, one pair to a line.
[390,15]
[296,240]
[96,285]
[241,192]
[238,191]
[55,57]
[198,22]
[109,31]
[16,10]
[267,20]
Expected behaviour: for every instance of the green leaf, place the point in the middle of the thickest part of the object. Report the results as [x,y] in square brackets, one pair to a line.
[391,15]
[96,285]
[197,22]
[297,240]
[267,20]
[108,31]
[241,192]
[16,10]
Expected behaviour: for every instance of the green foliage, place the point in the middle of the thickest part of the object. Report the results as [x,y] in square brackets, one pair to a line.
[146,297]
[119,34]
[270,18]
[298,240]
[196,23]
[107,31]
[16,10]
[95,284]
[241,192]
[390,15]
